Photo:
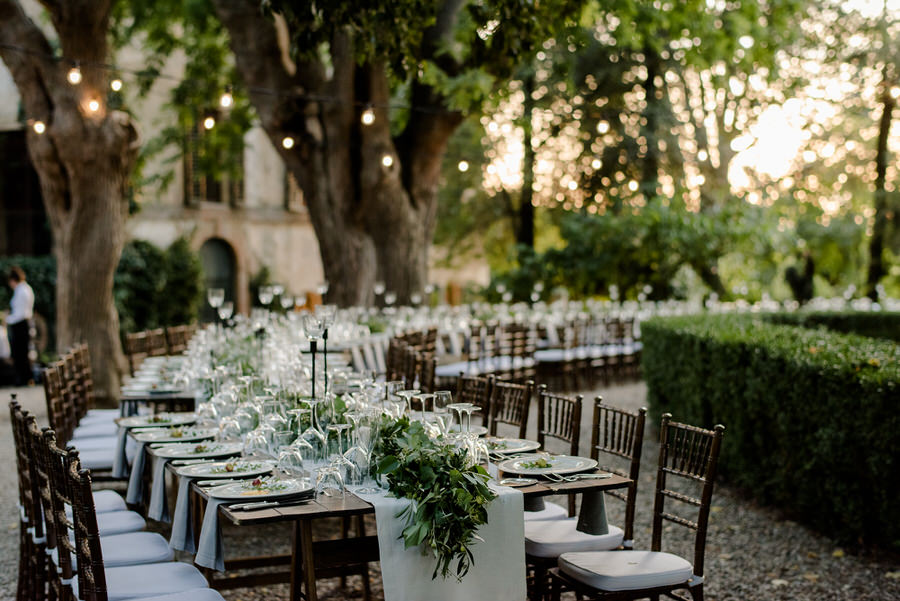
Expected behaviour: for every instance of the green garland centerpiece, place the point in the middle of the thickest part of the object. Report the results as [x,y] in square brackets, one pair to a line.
[448,496]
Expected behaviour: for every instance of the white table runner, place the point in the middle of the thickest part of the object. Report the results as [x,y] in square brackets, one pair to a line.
[497,574]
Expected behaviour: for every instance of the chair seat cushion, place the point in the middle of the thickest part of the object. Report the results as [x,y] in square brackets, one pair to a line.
[96,459]
[151,580]
[130,549]
[551,511]
[626,570]
[552,538]
[205,594]
[92,430]
[451,370]
[119,522]
[104,413]
[104,501]
[94,443]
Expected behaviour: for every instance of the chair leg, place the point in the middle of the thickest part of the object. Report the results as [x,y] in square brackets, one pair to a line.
[697,592]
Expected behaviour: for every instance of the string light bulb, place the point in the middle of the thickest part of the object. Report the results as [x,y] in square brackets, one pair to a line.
[39,127]
[287,142]
[209,122]
[387,160]
[74,75]
[463,166]
[227,99]
[116,85]
[895,92]
[94,106]
[368,116]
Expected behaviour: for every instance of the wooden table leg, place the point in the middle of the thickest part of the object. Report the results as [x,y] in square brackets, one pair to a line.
[303,561]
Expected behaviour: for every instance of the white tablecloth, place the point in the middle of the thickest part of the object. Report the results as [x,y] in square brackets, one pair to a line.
[497,574]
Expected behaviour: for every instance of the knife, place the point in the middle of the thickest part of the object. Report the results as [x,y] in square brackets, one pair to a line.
[269,504]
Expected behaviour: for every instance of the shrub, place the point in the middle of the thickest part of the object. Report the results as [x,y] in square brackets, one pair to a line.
[811,415]
[875,324]
[155,288]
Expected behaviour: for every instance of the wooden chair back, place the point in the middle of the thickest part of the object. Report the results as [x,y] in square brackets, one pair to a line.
[29,491]
[510,404]
[396,359]
[619,433]
[176,339]
[91,573]
[59,414]
[475,390]
[74,385]
[136,350]
[32,578]
[425,367]
[691,454]
[83,361]
[156,343]
[559,417]
[409,367]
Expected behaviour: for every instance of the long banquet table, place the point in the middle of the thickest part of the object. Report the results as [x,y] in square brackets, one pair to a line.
[311,559]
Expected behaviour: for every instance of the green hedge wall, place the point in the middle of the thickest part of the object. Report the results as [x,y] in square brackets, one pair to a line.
[880,324]
[812,417]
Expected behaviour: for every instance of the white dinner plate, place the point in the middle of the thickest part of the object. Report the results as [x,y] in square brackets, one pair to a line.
[559,464]
[239,469]
[176,434]
[160,420]
[504,446]
[199,450]
[272,489]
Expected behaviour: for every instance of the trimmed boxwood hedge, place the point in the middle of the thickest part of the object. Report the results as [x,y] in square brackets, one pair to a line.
[812,417]
[876,324]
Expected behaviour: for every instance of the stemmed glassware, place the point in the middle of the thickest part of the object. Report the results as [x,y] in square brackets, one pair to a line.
[225,310]
[406,395]
[313,434]
[314,328]
[287,302]
[345,467]
[423,400]
[266,295]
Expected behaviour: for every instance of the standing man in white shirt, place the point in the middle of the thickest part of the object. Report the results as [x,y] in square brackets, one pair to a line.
[18,324]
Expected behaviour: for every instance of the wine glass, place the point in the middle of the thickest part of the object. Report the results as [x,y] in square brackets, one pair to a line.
[226,310]
[290,461]
[406,395]
[329,482]
[265,295]
[423,400]
[313,434]
[287,302]
[313,326]
[215,297]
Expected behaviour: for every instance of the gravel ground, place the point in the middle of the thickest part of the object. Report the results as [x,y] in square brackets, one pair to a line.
[753,553]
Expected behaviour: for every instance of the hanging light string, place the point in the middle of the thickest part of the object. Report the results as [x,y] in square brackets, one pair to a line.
[116,72]
[74,76]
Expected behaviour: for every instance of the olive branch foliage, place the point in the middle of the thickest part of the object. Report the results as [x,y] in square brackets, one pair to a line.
[448,497]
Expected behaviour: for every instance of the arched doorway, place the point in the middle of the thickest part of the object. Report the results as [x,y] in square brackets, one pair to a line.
[219,269]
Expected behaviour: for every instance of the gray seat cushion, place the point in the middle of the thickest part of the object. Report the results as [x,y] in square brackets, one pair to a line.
[551,511]
[130,549]
[626,570]
[552,538]
[152,580]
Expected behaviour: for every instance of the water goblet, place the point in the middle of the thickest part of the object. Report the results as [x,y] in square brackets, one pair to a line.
[225,310]
[290,461]
[329,482]
[215,297]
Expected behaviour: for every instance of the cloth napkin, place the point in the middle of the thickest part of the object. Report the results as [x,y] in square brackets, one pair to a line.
[135,492]
[182,537]
[497,573]
[211,548]
[159,505]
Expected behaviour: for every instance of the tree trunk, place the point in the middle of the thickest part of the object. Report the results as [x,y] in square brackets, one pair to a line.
[83,160]
[525,230]
[372,198]
[876,244]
